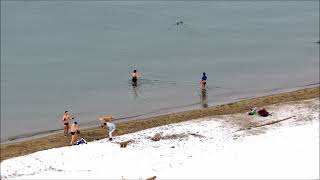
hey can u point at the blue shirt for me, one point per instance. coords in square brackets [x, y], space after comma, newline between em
[204, 78]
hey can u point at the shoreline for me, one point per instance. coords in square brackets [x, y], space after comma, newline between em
[159, 112]
[23, 147]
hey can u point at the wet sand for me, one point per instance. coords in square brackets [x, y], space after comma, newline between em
[96, 133]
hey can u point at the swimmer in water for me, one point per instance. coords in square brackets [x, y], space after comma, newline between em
[135, 76]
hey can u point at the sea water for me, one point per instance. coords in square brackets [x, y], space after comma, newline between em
[79, 56]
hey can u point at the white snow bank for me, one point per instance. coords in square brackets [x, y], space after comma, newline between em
[205, 148]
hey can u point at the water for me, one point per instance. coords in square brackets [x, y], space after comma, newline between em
[78, 56]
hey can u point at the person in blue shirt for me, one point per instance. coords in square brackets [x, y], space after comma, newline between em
[203, 81]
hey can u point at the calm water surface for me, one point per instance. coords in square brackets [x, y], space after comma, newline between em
[78, 56]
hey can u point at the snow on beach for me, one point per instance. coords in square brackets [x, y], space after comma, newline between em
[203, 148]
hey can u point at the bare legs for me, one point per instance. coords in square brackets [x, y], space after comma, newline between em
[74, 138]
[65, 129]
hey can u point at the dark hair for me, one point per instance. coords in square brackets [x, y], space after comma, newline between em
[134, 71]
[204, 73]
[65, 111]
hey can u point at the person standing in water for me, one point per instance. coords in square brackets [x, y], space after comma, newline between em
[135, 76]
[65, 119]
[203, 81]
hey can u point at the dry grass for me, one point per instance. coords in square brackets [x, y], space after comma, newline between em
[90, 134]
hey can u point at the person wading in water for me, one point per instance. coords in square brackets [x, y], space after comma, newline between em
[203, 81]
[135, 76]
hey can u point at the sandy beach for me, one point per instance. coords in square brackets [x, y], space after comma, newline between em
[82, 57]
[91, 134]
[214, 142]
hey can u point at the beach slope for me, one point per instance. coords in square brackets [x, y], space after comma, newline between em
[283, 145]
[90, 134]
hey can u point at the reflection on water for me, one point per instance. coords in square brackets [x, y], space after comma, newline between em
[134, 83]
[204, 98]
[147, 83]
[135, 89]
